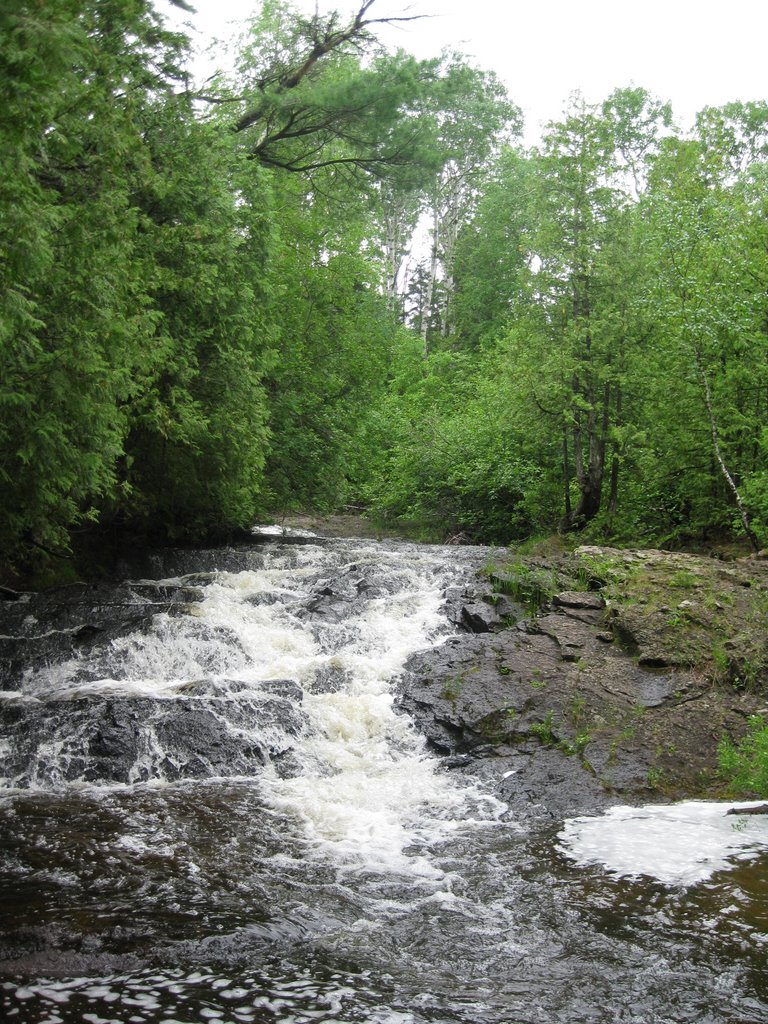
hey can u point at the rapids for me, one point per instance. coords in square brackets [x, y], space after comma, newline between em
[212, 810]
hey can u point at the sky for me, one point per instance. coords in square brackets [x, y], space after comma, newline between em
[694, 53]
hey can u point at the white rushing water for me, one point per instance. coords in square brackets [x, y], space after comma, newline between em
[365, 785]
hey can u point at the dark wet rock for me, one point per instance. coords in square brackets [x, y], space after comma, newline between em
[191, 566]
[539, 783]
[328, 608]
[166, 593]
[557, 713]
[137, 739]
[571, 636]
[267, 597]
[286, 763]
[457, 761]
[337, 598]
[647, 635]
[479, 617]
[480, 609]
[578, 599]
[330, 678]
[345, 594]
[19, 654]
[286, 688]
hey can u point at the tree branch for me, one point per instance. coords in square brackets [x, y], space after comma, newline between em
[325, 39]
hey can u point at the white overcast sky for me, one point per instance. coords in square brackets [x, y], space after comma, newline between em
[694, 53]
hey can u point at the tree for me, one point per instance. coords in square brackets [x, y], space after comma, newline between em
[318, 92]
[198, 439]
[473, 119]
[490, 264]
[333, 338]
[76, 326]
[130, 334]
[551, 278]
[712, 299]
[590, 168]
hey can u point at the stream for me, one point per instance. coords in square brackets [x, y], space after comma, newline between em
[212, 811]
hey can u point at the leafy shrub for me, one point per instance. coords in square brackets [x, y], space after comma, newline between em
[745, 765]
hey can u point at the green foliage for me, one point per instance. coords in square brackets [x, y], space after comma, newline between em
[199, 311]
[76, 324]
[529, 585]
[191, 319]
[133, 337]
[198, 437]
[599, 571]
[744, 765]
[334, 339]
[490, 262]
[616, 259]
[457, 458]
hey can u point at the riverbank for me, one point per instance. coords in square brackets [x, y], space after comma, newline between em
[603, 676]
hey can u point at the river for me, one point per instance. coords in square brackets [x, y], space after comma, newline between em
[211, 810]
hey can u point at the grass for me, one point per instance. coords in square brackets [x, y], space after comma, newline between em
[601, 571]
[527, 585]
[544, 730]
[684, 580]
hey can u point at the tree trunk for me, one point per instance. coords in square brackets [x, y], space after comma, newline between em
[393, 252]
[590, 476]
[566, 479]
[613, 497]
[427, 305]
[590, 497]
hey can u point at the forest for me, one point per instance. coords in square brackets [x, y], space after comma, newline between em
[336, 278]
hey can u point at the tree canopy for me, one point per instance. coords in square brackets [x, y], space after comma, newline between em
[214, 302]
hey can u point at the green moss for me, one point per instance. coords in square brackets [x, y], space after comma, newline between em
[684, 579]
[452, 687]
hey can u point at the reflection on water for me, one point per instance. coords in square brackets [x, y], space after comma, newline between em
[361, 883]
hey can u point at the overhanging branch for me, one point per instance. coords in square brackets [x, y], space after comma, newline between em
[324, 38]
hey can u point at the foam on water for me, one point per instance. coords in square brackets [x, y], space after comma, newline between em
[678, 844]
[178, 997]
[273, 530]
